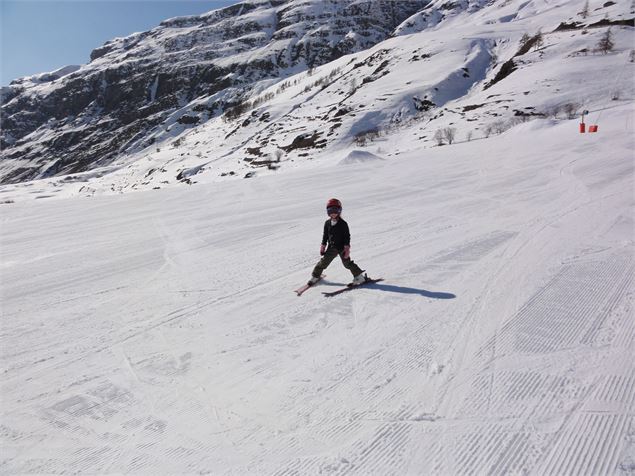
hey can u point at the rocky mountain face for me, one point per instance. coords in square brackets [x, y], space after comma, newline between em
[186, 71]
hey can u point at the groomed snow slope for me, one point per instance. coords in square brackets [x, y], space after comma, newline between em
[157, 332]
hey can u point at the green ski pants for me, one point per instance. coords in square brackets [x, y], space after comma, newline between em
[329, 256]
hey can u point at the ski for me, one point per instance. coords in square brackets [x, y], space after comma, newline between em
[351, 286]
[301, 289]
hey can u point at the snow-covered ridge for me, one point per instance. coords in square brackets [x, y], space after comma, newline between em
[46, 77]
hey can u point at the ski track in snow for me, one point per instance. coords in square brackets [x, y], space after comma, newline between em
[158, 332]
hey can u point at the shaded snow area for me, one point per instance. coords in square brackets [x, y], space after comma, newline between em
[157, 332]
[359, 156]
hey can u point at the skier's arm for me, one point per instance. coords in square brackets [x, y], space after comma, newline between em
[347, 235]
[325, 235]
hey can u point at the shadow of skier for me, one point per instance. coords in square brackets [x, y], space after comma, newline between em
[404, 290]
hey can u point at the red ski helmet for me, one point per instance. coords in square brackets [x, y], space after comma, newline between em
[334, 205]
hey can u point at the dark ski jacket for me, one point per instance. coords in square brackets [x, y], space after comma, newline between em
[336, 235]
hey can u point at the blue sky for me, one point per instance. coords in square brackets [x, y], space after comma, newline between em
[37, 36]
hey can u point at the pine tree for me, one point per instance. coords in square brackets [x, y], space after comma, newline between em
[538, 40]
[585, 10]
[606, 44]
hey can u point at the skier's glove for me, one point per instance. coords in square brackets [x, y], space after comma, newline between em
[322, 250]
[347, 252]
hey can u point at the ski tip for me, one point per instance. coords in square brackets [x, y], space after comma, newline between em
[304, 288]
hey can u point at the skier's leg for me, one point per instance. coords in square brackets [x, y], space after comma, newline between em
[350, 265]
[329, 256]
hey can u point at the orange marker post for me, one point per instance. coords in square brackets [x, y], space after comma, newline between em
[582, 124]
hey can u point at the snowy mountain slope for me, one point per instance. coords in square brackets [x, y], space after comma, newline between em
[423, 79]
[157, 332]
[187, 69]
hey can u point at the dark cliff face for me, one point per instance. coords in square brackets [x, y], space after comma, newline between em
[72, 122]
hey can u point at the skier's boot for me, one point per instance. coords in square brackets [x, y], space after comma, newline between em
[313, 280]
[359, 279]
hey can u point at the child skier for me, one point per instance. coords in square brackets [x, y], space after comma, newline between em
[338, 238]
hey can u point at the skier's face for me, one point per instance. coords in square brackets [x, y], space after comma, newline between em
[333, 212]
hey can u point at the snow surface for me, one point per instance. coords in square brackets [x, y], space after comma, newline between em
[157, 332]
